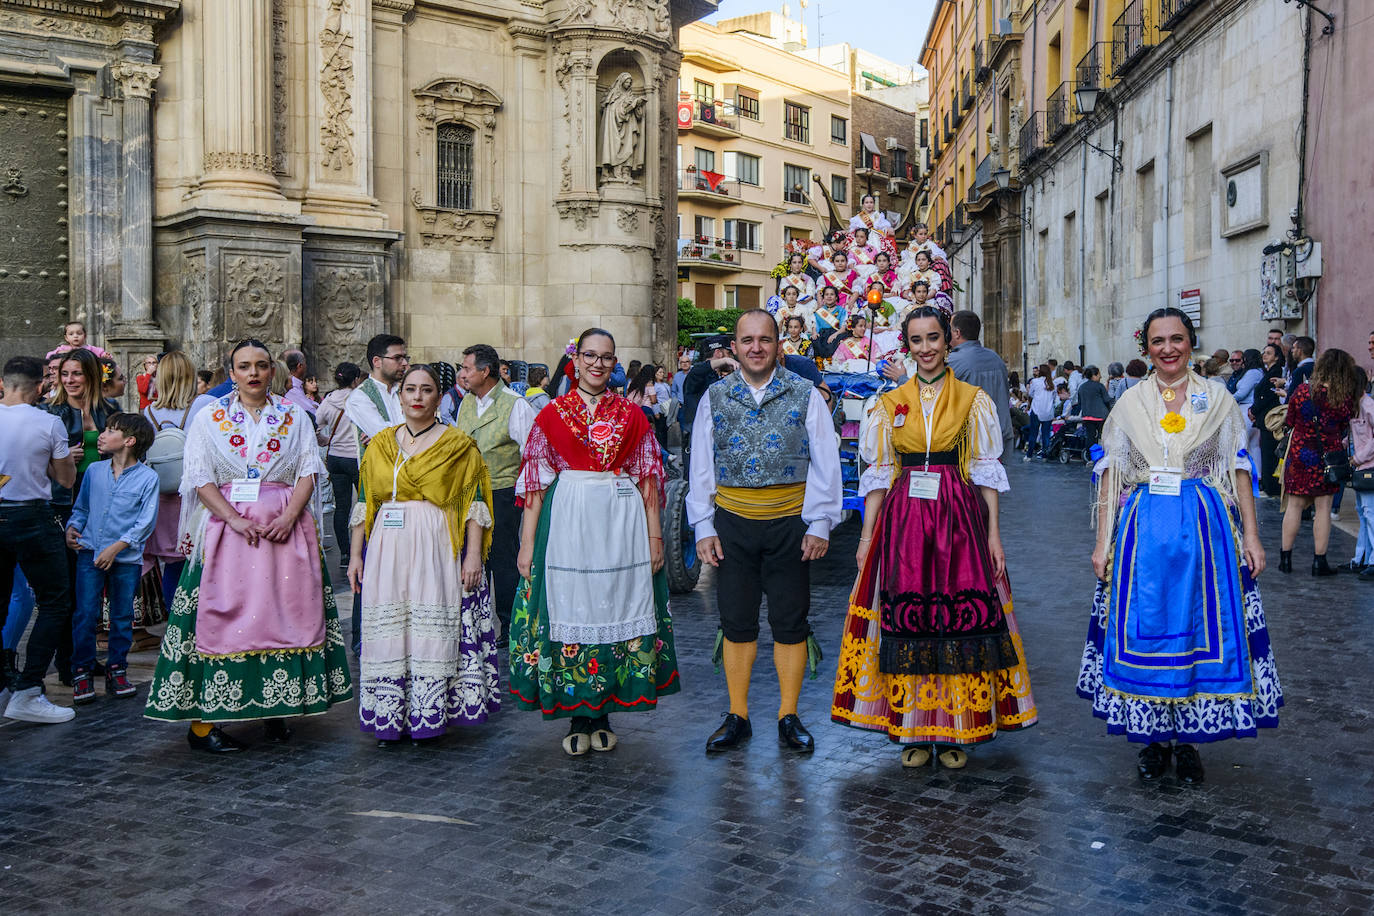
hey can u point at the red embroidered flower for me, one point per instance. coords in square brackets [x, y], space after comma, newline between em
[600, 431]
[903, 409]
[273, 445]
[592, 666]
[236, 440]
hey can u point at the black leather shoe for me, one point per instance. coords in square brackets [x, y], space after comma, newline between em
[1188, 764]
[217, 742]
[277, 730]
[1153, 761]
[791, 733]
[1321, 568]
[388, 744]
[1285, 561]
[734, 730]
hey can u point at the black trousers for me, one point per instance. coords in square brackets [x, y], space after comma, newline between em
[762, 557]
[505, 550]
[33, 540]
[343, 478]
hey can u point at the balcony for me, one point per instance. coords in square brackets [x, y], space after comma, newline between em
[1034, 139]
[981, 70]
[871, 164]
[1060, 110]
[967, 98]
[983, 191]
[960, 220]
[1133, 33]
[1089, 71]
[714, 258]
[1172, 12]
[705, 187]
[715, 119]
[947, 233]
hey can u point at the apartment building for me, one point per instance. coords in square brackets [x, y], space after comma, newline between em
[755, 123]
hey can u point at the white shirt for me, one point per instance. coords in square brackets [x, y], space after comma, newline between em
[521, 413]
[823, 503]
[362, 413]
[1075, 379]
[1042, 398]
[29, 439]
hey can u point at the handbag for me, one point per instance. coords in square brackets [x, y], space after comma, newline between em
[1336, 467]
[1363, 481]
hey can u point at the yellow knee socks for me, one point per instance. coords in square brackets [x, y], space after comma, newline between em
[201, 729]
[739, 665]
[790, 660]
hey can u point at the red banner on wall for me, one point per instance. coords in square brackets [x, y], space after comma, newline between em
[684, 115]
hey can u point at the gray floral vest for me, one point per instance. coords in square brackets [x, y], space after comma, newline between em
[760, 445]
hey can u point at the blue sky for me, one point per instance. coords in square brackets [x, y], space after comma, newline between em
[893, 29]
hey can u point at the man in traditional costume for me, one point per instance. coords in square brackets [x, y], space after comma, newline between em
[765, 492]
[499, 421]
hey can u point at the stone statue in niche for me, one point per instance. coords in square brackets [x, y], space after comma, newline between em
[622, 132]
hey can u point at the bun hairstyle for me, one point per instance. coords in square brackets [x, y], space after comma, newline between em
[249, 342]
[345, 374]
[1167, 312]
[925, 311]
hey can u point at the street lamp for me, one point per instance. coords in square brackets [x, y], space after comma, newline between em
[1003, 178]
[1086, 97]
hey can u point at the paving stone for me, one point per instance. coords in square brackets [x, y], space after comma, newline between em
[115, 808]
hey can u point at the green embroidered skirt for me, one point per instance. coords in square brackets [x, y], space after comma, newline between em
[564, 680]
[253, 685]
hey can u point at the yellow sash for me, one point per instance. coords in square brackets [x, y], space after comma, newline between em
[950, 421]
[763, 503]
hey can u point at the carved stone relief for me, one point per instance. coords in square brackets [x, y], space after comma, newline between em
[254, 297]
[342, 295]
[637, 17]
[627, 218]
[280, 75]
[578, 210]
[56, 25]
[135, 79]
[457, 101]
[336, 85]
[570, 71]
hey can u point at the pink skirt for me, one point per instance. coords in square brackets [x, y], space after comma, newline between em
[265, 598]
[162, 545]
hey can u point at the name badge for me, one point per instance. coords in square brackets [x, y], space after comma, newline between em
[899, 421]
[1199, 399]
[244, 490]
[393, 517]
[1165, 481]
[624, 487]
[923, 485]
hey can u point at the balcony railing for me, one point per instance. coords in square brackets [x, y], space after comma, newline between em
[871, 162]
[700, 184]
[947, 232]
[714, 117]
[1033, 139]
[1089, 71]
[1134, 32]
[960, 220]
[1172, 12]
[1059, 110]
[967, 101]
[724, 257]
[980, 65]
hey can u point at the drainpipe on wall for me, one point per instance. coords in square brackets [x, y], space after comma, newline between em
[1082, 253]
[1168, 172]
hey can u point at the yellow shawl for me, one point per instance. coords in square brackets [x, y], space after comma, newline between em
[951, 421]
[449, 474]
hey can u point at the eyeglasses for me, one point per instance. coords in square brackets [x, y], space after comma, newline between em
[400, 358]
[1234, 360]
[605, 360]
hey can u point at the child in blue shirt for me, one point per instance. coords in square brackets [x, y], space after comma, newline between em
[113, 518]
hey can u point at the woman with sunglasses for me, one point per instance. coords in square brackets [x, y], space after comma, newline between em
[590, 630]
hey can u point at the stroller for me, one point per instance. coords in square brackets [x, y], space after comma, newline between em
[1069, 443]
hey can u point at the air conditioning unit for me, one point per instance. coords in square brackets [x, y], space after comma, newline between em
[892, 143]
[893, 187]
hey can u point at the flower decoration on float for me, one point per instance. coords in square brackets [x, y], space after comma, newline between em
[1173, 423]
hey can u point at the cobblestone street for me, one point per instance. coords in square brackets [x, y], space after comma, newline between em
[114, 812]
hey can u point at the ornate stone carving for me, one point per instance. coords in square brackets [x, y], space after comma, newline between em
[198, 322]
[627, 218]
[134, 30]
[341, 299]
[280, 75]
[635, 17]
[441, 228]
[336, 85]
[570, 71]
[254, 296]
[14, 185]
[135, 79]
[458, 101]
[56, 25]
[621, 157]
[578, 210]
[248, 162]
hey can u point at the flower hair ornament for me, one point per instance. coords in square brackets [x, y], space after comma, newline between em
[106, 373]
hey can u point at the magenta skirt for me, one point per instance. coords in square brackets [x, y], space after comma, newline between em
[264, 598]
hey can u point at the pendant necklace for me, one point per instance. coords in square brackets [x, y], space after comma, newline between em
[1168, 393]
[415, 435]
[591, 394]
[927, 386]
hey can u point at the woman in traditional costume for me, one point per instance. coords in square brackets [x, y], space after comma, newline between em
[863, 256]
[252, 632]
[841, 277]
[590, 631]
[931, 653]
[428, 659]
[797, 278]
[856, 344]
[1177, 649]
[794, 341]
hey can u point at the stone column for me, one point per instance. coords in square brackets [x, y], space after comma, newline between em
[237, 50]
[136, 229]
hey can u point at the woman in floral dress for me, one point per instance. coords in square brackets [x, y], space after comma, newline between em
[590, 631]
[1319, 413]
[428, 658]
[252, 632]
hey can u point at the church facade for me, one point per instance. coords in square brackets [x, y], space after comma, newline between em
[191, 172]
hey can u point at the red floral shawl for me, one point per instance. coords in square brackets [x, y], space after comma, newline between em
[566, 436]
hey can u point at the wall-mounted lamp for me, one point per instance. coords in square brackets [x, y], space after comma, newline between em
[1086, 98]
[1003, 178]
